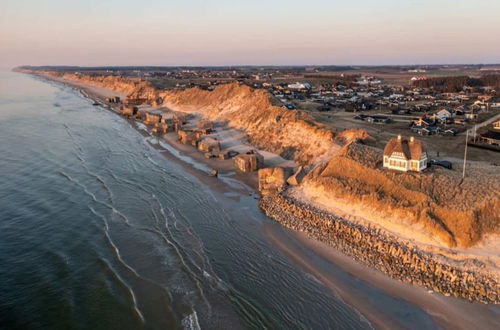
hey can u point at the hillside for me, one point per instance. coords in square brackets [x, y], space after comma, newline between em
[292, 134]
[344, 176]
[436, 202]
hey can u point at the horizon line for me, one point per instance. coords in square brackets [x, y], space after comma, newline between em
[253, 65]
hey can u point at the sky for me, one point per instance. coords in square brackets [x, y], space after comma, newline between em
[257, 32]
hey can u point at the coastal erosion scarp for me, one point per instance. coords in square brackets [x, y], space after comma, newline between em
[451, 211]
[293, 135]
[448, 211]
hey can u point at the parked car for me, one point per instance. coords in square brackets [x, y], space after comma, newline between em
[442, 163]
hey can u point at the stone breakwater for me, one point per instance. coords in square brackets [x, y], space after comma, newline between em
[382, 251]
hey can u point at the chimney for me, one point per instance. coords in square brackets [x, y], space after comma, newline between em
[412, 139]
[399, 137]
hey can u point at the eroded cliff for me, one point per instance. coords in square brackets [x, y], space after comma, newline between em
[438, 202]
[292, 134]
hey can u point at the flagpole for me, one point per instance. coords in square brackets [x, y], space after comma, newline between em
[465, 153]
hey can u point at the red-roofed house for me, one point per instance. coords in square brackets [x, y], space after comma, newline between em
[405, 155]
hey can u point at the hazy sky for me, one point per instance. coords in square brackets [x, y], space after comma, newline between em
[219, 32]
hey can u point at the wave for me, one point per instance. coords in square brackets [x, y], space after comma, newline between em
[94, 198]
[127, 287]
[190, 322]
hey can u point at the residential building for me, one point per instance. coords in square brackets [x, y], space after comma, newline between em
[405, 155]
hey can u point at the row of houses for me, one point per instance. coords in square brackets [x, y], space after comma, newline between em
[443, 121]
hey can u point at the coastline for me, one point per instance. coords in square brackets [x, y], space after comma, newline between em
[374, 248]
[447, 318]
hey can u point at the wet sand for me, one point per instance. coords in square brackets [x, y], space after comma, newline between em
[446, 312]
[358, 285]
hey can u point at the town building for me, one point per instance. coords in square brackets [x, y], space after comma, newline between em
[491, 137]
[496, 125]
[405, 155]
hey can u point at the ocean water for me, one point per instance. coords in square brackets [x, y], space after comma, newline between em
[98, 230]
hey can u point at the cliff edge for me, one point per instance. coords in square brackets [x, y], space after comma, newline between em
[345, 177]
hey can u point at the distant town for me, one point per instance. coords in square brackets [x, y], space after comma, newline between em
[440, 104]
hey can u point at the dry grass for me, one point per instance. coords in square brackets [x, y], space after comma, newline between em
[458, 212]
[292, 134]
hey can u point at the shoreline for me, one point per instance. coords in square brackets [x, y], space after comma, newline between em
[249, 189]
[374, 248]
[225, 168]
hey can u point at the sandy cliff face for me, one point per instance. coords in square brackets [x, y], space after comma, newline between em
[128, 86]
[292, 134]
[438, 202]
[455, 212]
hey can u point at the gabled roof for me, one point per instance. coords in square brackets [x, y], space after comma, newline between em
[410, 149]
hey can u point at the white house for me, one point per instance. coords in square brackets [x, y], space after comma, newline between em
[445, 113]
[300, 85]
[403, 155]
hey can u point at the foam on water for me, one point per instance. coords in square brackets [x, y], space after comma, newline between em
[190, 322]
[146, 244]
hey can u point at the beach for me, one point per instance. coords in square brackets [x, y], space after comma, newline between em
[447, 312]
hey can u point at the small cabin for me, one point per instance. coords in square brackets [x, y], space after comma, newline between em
[405, 155]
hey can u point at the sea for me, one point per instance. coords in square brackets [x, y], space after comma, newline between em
[100, 228]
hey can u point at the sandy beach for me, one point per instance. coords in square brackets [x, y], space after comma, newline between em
[321, 261]
[447, 312]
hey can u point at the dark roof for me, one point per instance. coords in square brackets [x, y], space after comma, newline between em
[491, 135]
